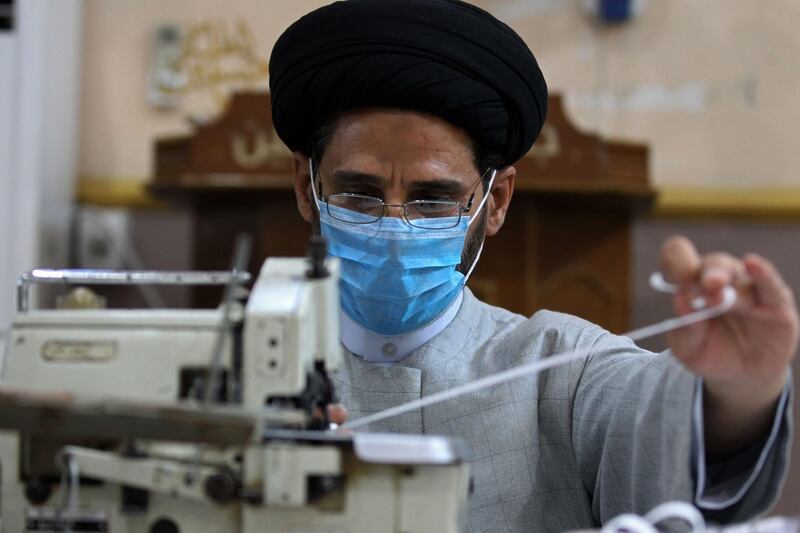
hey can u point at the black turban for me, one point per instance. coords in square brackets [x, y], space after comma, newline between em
[443, 57]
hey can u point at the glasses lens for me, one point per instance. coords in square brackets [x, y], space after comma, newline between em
[355, 208]
[433, 214]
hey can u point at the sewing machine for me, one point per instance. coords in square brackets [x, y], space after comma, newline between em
[167, 421]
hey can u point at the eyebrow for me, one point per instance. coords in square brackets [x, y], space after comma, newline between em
[443, 185]
[354, 177]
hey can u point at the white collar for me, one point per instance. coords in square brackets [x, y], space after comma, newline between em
[378, 348]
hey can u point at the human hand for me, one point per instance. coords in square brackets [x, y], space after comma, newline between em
[744, 354]
[337, 414]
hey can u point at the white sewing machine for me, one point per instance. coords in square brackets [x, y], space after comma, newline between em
[167, 421]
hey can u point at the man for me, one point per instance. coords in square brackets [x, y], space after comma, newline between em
[405, 118]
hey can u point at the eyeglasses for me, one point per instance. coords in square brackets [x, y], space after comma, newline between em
[425, 214]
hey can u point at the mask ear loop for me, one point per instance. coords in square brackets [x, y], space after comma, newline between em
[474, 263]
[478, 210]
[313, 185]
[485, 197]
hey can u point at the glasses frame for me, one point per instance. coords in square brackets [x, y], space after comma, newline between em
[462, 209]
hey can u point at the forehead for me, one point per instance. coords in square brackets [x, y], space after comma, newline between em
[399, 145]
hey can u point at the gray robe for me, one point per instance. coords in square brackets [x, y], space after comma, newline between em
[569, 448]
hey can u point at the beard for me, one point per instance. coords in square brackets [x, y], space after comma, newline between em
[473, 244]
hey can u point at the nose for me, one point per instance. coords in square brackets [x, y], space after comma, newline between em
[394, 210]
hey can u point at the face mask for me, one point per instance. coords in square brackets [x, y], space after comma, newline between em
[395, 277]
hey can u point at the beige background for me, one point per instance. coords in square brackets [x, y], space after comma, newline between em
[712, 86]
[118, 125]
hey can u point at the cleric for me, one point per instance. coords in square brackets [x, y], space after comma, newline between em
[405, 118]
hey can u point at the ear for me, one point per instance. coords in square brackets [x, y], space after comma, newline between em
[302, 186]
[500, 197]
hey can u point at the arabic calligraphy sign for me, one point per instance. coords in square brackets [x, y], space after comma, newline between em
[197, 66]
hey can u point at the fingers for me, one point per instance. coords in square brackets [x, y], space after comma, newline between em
[704, 276]
[680, 262]
[719, 270]
[770, 288]
[755, 278]
[337, 413]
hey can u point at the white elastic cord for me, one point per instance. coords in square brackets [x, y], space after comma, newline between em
[728, 299]
[474, 262]
[486, 195]
[313, 186]
[677, 510]
[478, 210]
[629, 523]
[474, 386]
[657, 282]
[674, 510]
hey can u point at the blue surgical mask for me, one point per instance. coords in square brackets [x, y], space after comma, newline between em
[395, 277]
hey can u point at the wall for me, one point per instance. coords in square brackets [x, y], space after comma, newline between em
[708, 85]
[118, 124]
[8, 52]
[39, 85]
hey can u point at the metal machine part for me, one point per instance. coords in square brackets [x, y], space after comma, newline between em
[104, 427]
[211, 385]
[232, 473]
[120, 277]
[291, 324]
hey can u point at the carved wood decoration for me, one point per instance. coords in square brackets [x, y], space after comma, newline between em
[239, 151]
[565, 244]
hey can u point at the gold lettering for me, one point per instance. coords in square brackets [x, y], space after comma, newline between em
[216, 58]
[262, 148]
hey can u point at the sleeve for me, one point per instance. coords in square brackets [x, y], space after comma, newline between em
[721, 487]
[633, 436]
